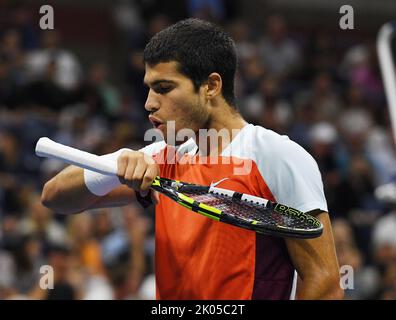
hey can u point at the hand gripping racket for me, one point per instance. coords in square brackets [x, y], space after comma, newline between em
[238, 209]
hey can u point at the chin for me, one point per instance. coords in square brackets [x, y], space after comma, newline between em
[171, 138]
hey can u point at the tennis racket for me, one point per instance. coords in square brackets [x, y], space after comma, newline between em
[238, 209]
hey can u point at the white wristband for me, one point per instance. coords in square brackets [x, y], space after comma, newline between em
[100, 184]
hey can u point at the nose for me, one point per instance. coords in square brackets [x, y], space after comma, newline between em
[152, 103]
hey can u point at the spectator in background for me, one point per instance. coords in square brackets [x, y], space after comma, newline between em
[355, 124]
[7, 274]
[323, 96]
[211, 10]
[323, 139]
[388, 291]
[384, 253]
[10, 234]
[382, 155]
[321, 55]
[6, 88]
[361, 69]
[266, 107]
[365, 280]
[23, 22]
[123, 253]
[12, 169]
[127, 16]
[280, 55]
[305, 116]
[28, 255]
[39, 222]
[250, 74]
[59, 259]
[384, 239]
[11, 160]
[89, 273]
[99, 95]
[64, 64]
[11, 52]
[84, 245]
[242, 35]
[45, 92]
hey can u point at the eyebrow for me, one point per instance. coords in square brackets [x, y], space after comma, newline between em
[159, 81]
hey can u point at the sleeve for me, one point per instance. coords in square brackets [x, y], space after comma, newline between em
[293, 175]
[153, 148]
[100, 184]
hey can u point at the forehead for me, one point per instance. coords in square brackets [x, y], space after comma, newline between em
[163, 71]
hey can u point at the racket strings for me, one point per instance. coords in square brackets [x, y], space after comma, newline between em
[248, 211]
[273, 219]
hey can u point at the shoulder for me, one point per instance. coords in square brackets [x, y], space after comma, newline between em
[268, 136]
[289, 171]
[268, 145]
[264, 145]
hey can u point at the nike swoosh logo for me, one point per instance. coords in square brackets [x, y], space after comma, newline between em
[214, 184]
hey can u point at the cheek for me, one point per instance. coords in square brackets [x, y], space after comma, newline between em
[178, 113]
[181, 110]
[187, 111]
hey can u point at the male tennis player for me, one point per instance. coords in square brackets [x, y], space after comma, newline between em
[190, 70]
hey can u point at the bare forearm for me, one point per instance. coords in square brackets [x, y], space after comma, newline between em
[319, 288]
[316, 263]
[67, 193]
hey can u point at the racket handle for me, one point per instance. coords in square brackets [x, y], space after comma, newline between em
[47, 148]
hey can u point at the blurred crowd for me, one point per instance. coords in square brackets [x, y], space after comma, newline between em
[319, 87]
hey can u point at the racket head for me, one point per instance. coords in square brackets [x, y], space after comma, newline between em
[263, 217]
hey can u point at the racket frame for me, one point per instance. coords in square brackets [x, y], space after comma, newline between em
[174, 190]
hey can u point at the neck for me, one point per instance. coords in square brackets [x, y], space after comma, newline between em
[223, 125]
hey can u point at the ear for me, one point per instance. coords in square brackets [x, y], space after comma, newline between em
[214, 86]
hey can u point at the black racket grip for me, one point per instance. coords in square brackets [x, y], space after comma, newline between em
[144, 201]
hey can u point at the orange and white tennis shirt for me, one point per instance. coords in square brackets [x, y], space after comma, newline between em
[198, 258]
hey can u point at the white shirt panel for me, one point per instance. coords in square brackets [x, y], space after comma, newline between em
[289, 170]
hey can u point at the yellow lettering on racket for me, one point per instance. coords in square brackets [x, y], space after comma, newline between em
[156, 182]
[296, 213]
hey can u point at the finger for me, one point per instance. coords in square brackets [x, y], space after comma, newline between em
[138, 174]
[129, 171]
[155, 197]
[122, 163]
[150, 174]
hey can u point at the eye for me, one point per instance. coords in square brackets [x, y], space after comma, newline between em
[163, 89]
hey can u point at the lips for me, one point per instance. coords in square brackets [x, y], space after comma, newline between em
[155, 121]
